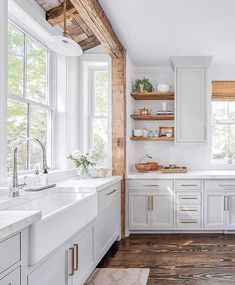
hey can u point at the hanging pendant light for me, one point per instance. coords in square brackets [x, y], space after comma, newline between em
[63, 44]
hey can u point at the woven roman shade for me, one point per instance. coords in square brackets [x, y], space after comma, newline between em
[223, 90]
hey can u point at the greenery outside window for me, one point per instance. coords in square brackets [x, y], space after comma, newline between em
[29, 104]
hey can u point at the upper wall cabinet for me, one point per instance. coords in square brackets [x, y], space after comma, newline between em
[190, 98]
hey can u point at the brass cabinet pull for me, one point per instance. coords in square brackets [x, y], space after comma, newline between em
[72, 261]
[226, 185]
[224, 203]
[188, 210]
[150, 203]
[228, 203]
[110, 193]
[153, 185]
[189, 185]
[188, 221]
[76, 257]
[188, 198]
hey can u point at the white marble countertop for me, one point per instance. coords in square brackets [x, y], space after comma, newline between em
[94, 184]
[14, 221]
[212, 174]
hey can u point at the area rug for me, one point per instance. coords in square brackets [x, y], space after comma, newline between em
[119, 276]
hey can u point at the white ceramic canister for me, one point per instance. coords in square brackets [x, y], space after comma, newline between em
[163, 87]
[137, 133]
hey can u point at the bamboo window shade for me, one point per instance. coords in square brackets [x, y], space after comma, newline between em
[223, 90]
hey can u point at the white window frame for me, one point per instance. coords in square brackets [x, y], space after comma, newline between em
[49, 106]
[229, 124]
[90, 64]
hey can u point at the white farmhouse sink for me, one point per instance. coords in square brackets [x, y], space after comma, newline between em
[63, 215]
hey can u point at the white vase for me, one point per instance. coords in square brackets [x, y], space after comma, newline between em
[163, 87]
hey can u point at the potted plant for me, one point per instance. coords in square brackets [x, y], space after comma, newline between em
[143, 85]
[83, 162]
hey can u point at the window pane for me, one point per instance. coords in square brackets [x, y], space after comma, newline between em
[220, 111]
[100, 137]
[15, 60]
[220, 142]
[17, 129]
[232, 111]
[36, 72]
[39, 130]
[101, 93]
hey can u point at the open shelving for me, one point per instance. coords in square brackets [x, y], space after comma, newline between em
[152, 139]
[153, 95]
[153, 117]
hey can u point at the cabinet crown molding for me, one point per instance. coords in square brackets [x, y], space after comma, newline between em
[190, 61]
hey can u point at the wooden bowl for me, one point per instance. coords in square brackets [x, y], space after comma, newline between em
[143, 167]
[154, 165]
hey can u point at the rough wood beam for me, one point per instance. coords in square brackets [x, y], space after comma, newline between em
[55, 15]
[119, 126]
[89, 43]
[93, 15]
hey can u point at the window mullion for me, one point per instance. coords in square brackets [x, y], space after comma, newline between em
[24, 68]
[28, 135]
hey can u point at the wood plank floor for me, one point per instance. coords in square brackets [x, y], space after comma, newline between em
[177, 259]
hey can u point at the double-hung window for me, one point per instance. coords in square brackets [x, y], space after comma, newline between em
[29, 104]
[98, 107]
[223, 121]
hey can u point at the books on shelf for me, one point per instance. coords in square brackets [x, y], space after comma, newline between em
[165, 113]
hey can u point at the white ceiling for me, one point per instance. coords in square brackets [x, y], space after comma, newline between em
[154, 30]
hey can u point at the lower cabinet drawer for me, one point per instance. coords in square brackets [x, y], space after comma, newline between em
[188, 198]
[13, 278]
[188, 222]
[9, 252]
[151, 184]
[190, 210]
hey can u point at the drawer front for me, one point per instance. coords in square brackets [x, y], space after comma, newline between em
[188, 210]
[151, 184]
[188, 222]
[219, 185]
[188, 198]
[186, 184]
[109, 195]
[13, 278]
[9, 252]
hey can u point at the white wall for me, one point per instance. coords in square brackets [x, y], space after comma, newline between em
[193, 156]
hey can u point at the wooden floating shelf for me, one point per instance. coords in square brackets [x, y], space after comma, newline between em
[152, 139]
[153, 95]
[153, 117]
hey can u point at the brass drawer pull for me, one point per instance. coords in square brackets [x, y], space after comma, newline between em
[72, 261]
[153, 185]
[189, 185]
[110, 193]
[188, 210]
[188, 198]
[150, 203]
[188, 222]
[76, 257]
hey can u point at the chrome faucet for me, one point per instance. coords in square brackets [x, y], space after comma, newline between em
[15, 189]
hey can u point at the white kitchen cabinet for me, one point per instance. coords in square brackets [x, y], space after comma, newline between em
[163, 210]
[109, 218]
[55, 270]
[190, 98]
[214, 210]
[83, 255]
[13, 278]
[139, 209]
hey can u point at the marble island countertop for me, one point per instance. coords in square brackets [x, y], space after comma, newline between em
[210, 174]
[14, 221]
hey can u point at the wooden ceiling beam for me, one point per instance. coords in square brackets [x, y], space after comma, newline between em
[89, 43]
[55, 15]
[93, 15]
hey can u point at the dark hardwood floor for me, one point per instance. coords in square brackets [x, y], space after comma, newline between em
[177, 259]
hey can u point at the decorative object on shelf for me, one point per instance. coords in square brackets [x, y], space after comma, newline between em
[166, 132]
[137, 133]
[143, 85]
[143, 167]
[64, 44]
[165, 113]
[145, 133]
[174, 169]
[163, 87]
[164, 106]
[145, 111]
[83, 162]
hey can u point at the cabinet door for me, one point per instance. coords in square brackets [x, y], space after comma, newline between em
[54, 270]
[214, 210]
[190, 105]
[139, 214]
[230, 210]
[163, 210]
[84, 255]
[12, 278]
